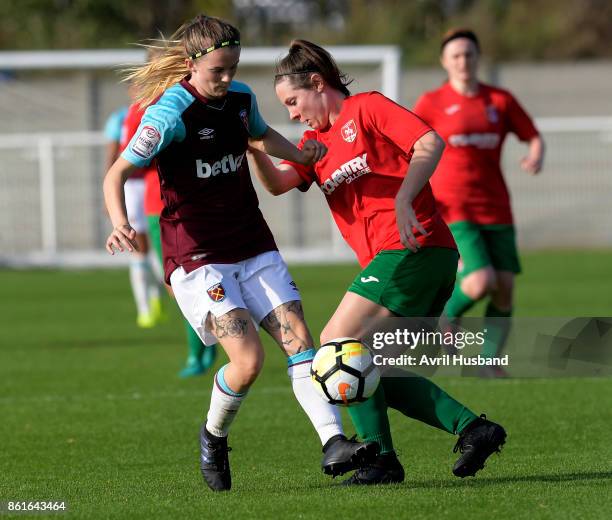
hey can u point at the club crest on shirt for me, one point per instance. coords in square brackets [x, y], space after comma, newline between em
[349, 131]
[245, 119]
[452, 109]
[492, 114]
[216, 292]
[144, 145]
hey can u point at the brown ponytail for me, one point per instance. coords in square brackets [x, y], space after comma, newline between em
[303, 59]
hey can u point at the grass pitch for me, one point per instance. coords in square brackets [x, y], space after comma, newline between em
[91, 412]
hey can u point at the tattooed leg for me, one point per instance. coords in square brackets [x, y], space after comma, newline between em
[287, 326]
[239, 339]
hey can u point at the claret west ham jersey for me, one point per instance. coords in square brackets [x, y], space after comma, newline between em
[211, 212]
[468, 183]
[369, 150]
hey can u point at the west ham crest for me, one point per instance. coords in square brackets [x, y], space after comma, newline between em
[216, 293]
[349, 131]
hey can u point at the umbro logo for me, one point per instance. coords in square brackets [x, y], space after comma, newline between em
[207, 133]
[369, 279]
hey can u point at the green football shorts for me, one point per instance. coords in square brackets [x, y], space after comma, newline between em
[483, 245]
[409, 284]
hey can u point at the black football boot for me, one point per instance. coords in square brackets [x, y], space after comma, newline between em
[476, 442]
[341, 455]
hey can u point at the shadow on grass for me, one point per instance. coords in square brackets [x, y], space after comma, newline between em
[482, 482]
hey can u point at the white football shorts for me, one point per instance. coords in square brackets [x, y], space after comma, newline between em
[258, 284]
[134, 190]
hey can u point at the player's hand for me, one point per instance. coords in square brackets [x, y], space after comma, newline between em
[531, 164]
[312, 151]
[406, 221]
[121, 238]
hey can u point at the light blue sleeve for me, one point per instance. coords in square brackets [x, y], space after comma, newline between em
[160, 125]
[257, 125]
[112, 127]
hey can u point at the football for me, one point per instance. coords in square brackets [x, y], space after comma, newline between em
[343, 372]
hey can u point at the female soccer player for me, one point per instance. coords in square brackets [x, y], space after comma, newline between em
[200, 357]
[375, 179]
[219, 255]
[474, 119]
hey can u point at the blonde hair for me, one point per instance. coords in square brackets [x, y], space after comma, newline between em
[165, 63]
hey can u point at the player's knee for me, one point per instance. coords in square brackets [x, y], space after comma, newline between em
[479, 284]
[249, 368]
[329, 333]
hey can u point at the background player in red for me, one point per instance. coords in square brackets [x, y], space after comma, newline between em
[219, 254]
[375, 179]
[145, 287]
[145, 271]
[200, 358]
[473, 119]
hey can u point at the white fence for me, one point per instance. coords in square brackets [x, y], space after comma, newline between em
[51, 198]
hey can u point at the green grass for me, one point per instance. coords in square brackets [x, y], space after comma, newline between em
[91, 412]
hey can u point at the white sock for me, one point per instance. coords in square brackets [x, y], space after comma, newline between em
[138, 280]
[153, 286]
[224, 404]
[324, 417]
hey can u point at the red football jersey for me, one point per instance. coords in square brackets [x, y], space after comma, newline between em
[468, 183]
[153, 203]
[369, 149]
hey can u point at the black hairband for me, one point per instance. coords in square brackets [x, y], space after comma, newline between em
[228, 43]
[296, 72]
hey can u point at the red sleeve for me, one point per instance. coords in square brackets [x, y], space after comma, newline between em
[130, 124]
[519, 121]
[422, 108]
[394, 122]
[307, 173]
